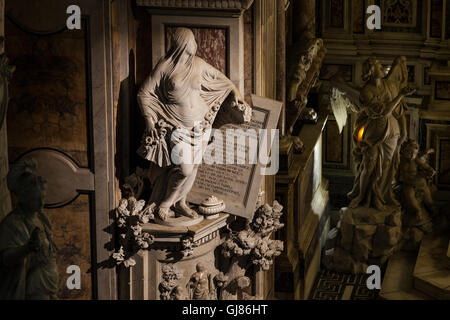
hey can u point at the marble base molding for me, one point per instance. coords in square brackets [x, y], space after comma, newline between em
[148, 274]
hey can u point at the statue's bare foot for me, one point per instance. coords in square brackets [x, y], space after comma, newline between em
[183, 209]
[163, 213]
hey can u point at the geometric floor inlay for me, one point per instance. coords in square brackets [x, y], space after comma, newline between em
[332, 285]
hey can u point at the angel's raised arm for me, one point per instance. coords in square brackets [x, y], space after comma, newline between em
[399, 72]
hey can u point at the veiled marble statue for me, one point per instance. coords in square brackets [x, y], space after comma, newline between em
[27, 252]
[183, 94]
[379, 131]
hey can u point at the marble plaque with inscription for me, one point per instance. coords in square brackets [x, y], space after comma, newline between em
[238, 183]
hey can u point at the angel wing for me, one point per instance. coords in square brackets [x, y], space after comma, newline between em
[343, 98]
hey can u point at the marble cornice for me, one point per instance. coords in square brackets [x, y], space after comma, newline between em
[210, 5]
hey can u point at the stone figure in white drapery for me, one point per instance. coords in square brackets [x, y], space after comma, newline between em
[183, 92]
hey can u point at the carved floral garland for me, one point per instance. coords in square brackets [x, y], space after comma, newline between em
[131, 238]
[254, 241]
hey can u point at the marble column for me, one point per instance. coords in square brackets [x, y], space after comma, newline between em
[281, 61]
[5, 202]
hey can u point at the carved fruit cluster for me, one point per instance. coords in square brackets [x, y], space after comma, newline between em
[131, 214]
[254, 241]
[170, 276]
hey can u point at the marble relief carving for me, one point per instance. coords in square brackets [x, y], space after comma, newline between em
[187, 246]
[201, 285]
[399, 13]
[169, 288]
[251, 246]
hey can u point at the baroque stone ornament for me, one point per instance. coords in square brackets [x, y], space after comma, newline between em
[27, 252]
[180, 101]
[211, 207]
[187, 246]
[251, 246]
[169, 288]
[254, 241]
[6, 72]
[130, 216]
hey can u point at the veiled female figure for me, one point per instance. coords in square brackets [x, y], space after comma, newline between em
[380, 129]
[183, 92]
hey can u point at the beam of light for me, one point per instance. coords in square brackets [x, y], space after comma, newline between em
[360, 134]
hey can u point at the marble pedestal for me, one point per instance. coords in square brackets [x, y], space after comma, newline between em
[363, 237]
[146, 276]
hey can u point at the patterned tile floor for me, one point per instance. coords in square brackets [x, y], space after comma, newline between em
[331, 285]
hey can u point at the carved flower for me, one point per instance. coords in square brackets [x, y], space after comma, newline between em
[248, 241]
[137, 229]
[121, 222]
[129, 262]
[138, 206]
[145, 218]
[122, 209]
[119, 256]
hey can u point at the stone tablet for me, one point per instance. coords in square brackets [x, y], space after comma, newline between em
[238, 184]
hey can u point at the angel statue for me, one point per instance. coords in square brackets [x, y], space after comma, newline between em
[379, 131]
[184, 97]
